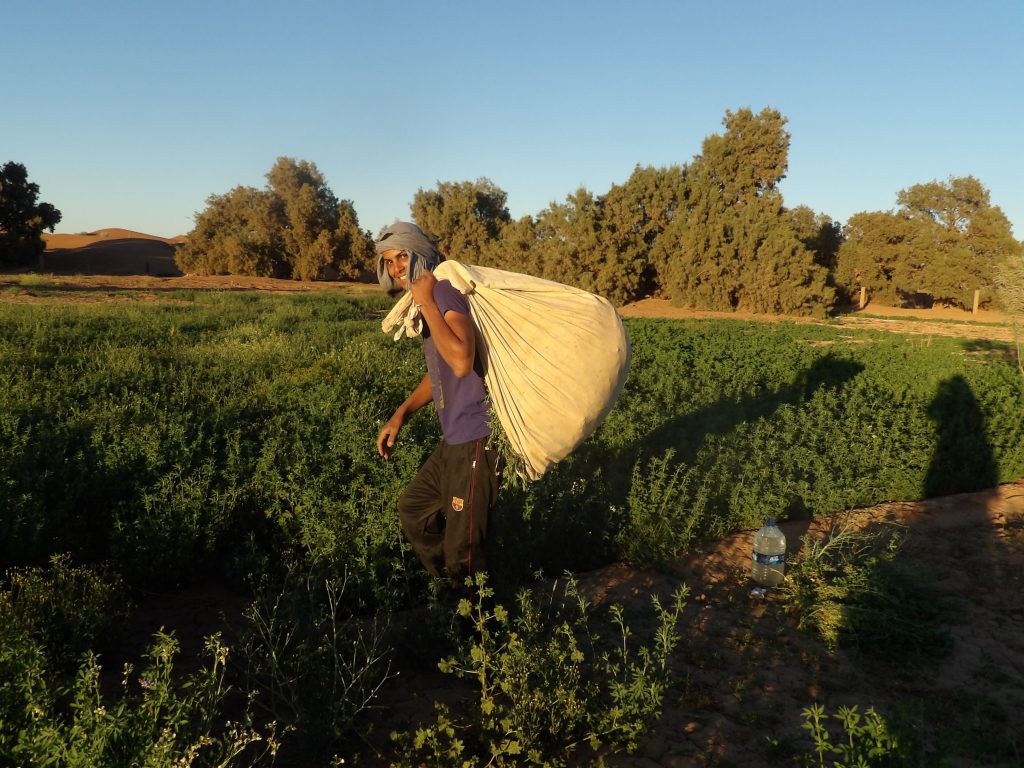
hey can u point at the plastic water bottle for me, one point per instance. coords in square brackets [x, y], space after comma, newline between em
[769, 562]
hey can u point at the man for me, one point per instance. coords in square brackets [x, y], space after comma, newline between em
[444, 511]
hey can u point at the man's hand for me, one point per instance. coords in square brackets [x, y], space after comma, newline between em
[389, 434]
[423, 288]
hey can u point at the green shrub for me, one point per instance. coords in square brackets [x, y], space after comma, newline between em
[158, 720]
[549, 684]
[663, 512]
[66, 609]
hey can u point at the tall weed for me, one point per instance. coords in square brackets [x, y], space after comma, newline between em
[66, 609]
[663, 512]
[865, 740]
[550, 685]
[158, 720]
[315, 667]
[847, 588]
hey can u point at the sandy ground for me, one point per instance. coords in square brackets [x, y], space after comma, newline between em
[60, 241]
[749, 672]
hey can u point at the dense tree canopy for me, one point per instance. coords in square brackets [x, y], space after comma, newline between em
[736, 247]
[636, 214]
[294, 228]
[943, 241]
[599, 243]
[462, 217]
[22, 217]
[713, 234]
[819, 234]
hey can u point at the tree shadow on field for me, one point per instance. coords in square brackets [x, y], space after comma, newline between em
[570, 521]
[686, 434]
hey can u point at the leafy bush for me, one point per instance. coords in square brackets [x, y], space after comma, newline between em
[549, 683]
[157, 721]
[66, 609]
[846, 588]
[315, 667]
[663, 511]
[867, 740]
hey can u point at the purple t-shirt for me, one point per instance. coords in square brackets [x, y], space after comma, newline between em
[461, 403]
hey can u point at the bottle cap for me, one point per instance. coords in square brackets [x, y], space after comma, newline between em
[771, 522]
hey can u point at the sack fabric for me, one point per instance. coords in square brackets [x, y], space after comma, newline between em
[555, 357]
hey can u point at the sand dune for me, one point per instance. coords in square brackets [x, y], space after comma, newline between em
[112, 251]
[59, 241]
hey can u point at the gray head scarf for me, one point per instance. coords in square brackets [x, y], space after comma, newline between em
[407, 237]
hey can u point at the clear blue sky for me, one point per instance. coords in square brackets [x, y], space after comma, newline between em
[129, 114]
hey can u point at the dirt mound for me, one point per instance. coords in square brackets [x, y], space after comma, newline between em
[111, 251]
[750, 672]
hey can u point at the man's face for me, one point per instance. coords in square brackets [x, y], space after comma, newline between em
[397, 264]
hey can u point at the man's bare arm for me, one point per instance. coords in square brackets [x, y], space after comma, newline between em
[389, 432]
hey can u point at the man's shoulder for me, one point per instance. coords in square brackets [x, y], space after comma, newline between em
[448, 298]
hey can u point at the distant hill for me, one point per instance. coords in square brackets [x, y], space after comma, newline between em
[110, 252]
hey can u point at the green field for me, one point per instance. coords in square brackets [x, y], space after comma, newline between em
[229, 438]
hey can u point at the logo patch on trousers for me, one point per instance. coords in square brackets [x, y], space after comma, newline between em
[457, 503]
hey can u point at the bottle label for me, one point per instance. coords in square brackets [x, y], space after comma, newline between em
[769, 559]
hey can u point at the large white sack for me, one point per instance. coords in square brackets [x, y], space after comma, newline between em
[555, 356]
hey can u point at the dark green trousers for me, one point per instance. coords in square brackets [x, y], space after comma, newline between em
[445, 510]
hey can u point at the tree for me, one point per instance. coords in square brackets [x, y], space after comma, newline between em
[354, 245]
[635, 215]
[295, 228]
[515, 249]
[961, 236]
[944, 240]
[462, 217]
[601, 244]
[749, 160]
[818, 233]
[877, 253]
[569, 248]
[735, 247]
[239, 233]
[1009, 280]
[22, 218]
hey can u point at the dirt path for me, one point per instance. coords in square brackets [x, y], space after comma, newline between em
[99, 287]
[939, 321]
